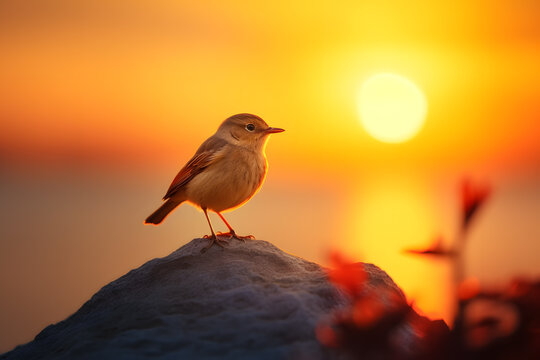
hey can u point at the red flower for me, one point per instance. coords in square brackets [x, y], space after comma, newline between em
[472, 198]
[367, 311]
[347, 275]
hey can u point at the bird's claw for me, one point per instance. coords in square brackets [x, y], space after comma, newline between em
[227, 235]
[232, 235]
[213, 240]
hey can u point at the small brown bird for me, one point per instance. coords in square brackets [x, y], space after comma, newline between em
[225, 172]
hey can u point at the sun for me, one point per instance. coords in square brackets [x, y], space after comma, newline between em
[392, 108]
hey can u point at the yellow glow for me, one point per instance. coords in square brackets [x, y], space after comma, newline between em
[393, 213]
[392, 108]
[128, 90]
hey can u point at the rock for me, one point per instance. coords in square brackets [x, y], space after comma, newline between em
[249, 300]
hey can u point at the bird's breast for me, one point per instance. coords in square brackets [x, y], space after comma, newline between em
[228, 183]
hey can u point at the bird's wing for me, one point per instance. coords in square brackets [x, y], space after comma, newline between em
[208, 153]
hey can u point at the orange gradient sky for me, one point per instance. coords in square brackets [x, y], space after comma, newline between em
[102, 102]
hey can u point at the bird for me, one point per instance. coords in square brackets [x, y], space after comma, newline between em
[225, 172]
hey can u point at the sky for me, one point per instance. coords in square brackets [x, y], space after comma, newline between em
[101, 103]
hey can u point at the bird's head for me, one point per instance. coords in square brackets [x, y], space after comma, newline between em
[246, 130]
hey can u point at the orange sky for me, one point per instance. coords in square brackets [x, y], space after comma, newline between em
[128, 89]
[132, 78]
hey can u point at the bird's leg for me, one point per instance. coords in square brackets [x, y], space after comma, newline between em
[231, 233]
[213, 238]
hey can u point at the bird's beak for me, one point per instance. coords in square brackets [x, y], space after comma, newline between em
[272, 130]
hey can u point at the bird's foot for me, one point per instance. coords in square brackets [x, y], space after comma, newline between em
[213, 240]
[232, 235]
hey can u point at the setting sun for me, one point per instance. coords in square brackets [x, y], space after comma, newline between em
[392, 108]
[399, 116]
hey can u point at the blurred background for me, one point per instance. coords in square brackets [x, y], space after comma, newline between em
[102, 102]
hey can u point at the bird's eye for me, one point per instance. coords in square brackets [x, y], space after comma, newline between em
[250, 127]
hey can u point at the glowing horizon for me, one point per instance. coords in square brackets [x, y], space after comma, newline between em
[105, 102]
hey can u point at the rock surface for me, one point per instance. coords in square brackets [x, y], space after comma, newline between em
[248, 301]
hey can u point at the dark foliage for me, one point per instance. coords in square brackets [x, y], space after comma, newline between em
[500, 325]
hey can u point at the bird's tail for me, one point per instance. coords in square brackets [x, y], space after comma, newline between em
[161, 213]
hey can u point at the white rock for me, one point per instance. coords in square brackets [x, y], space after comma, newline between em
[248, 301]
